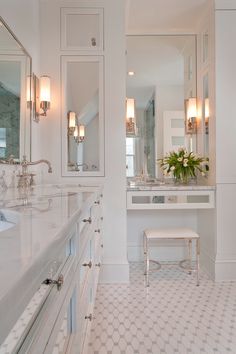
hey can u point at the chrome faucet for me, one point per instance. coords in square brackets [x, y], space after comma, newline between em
[26, 179]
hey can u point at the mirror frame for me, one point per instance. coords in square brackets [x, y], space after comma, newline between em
[64, 114]
[25, 134]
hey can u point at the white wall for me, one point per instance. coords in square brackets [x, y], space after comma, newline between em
[115, 266]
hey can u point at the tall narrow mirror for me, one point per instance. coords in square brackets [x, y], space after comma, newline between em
[206, 114]
[15, 102]
[82, 118]
[161, 75]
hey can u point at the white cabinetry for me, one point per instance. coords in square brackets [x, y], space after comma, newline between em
[58, 317]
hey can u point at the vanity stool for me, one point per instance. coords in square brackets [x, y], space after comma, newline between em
[172, 234]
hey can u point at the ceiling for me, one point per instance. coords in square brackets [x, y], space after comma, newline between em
[163, 15]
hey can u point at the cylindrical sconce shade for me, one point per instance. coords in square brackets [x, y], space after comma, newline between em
[81, 132]
[45, 92]
[76, 132]
[130, 108]
[192, 107]
[207, 108]
[72, 119]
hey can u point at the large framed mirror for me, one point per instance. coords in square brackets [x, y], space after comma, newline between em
[15, 96]
[161, 76]
[82, 116]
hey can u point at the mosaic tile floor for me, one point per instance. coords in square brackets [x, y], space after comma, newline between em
[171, 316]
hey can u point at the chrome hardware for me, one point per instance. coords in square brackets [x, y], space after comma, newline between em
[89, 220]
[93, 41]
[101, 217]
[98, 265]
[98, 230]
[89, 317]
[102, 245]
[59, 282]
[97, 202]
[101, 195]
[26, 179]
[87, 264]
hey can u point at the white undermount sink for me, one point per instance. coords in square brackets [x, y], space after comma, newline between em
[8, 219]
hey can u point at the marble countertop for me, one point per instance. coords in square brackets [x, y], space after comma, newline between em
[45, 215]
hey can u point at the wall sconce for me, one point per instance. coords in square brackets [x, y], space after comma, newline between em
[40, 96]
[79, 133]
[130, 117]
[191, 115]
[71, 122]
[45, 94]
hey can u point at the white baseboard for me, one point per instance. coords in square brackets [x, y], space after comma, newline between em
[114, 273]
[225, 270]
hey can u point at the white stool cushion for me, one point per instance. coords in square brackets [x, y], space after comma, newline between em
[180, 233]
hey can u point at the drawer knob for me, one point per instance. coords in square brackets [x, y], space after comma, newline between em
[89, 220]
[98, 265]
[59, 282]
[87, 264]
[97, 230]
[102, 245]
[89, 317]
[93, 42]
[97, 202]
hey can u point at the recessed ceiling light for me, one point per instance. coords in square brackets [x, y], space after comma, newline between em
[131, 73]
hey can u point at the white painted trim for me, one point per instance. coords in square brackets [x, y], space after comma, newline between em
[225, 270]
[114, 273]
[225, 5]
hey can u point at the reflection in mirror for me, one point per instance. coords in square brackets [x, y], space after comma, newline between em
[15, 111]
[83, 115]
[163, 76]
[206, 114]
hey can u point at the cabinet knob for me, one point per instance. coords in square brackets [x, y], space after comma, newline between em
[89, 317]
[59, 282]
[89, 220]
[98, 265]
[97, 230]
[93, 42]
[87, 264]
[97, 202]
[101, 218]
[102, 245]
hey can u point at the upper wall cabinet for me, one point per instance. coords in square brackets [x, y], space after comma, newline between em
[82, 29]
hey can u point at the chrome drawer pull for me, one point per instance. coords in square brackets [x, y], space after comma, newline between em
[90, 317]
[89, 220]
[87, 264]
[98, 264]
[98, 230]
[102, 245]
[59, 282]
[97, 202]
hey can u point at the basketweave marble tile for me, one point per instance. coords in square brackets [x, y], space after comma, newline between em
[171, 316]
